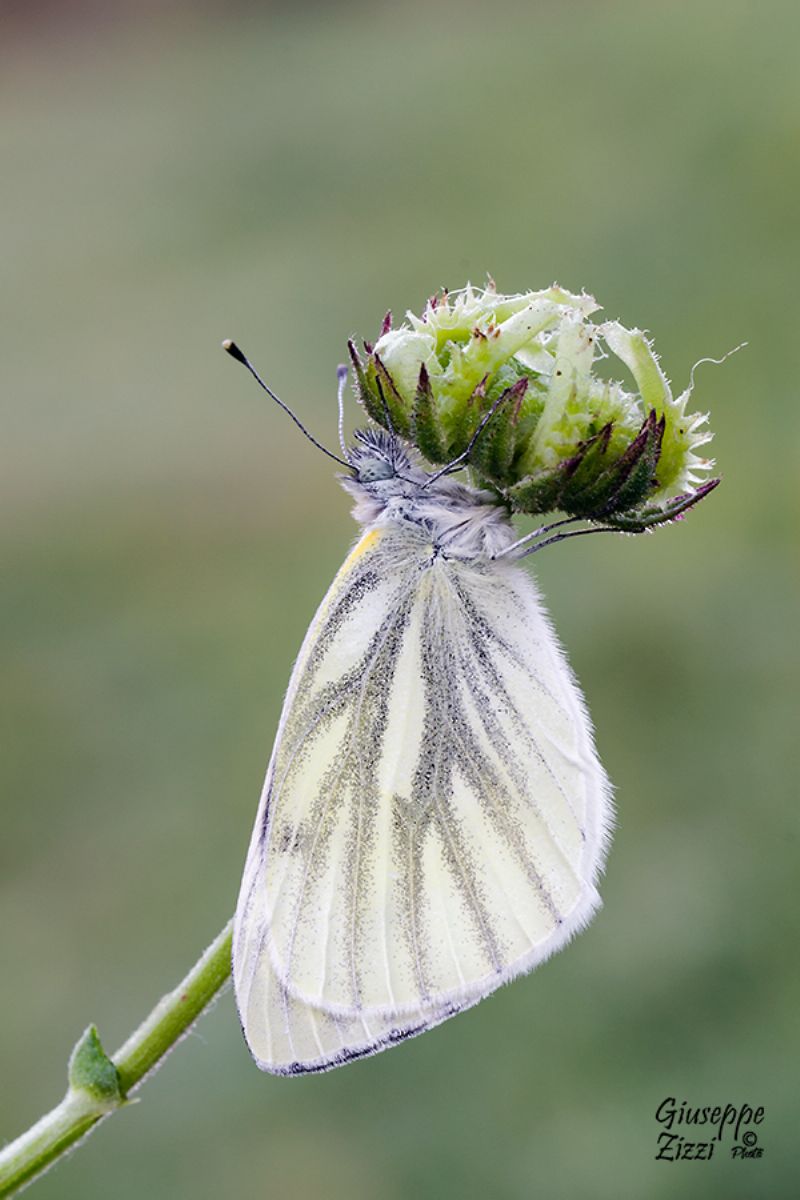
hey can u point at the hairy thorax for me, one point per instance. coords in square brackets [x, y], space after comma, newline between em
[461, 522]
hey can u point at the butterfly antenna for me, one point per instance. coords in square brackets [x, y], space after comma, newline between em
[242, 358]
[341, 380]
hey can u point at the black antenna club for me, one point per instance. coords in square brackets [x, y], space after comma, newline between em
[235, 352]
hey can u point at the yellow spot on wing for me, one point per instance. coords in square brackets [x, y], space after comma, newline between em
[365, 543]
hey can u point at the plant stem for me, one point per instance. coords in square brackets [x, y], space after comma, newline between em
[99, 1085]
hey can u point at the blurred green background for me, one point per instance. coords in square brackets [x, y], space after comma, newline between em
[175, 174]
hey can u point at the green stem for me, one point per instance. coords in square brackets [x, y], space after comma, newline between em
[99, 1086]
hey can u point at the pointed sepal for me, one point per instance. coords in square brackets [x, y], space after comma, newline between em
[389, 400]
[426, 428]
[364, 394]
[494, 450]
[649, 516]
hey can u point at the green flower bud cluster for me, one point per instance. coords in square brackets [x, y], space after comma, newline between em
[509, 383]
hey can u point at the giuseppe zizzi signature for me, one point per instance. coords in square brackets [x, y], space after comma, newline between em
[695, 1133]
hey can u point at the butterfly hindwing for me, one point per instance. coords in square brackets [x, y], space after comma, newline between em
[289, 1037]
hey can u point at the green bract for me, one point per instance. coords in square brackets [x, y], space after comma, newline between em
[509, 382]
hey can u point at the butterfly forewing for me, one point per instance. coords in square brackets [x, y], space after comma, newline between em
[433, 818]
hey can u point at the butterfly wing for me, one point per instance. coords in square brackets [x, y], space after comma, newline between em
[289, 1037]
[434, 815]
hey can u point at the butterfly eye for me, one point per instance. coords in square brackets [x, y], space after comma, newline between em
[373, 469]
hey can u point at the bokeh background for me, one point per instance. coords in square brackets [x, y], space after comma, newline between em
[284, 173]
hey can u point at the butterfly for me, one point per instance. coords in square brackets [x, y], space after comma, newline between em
[434, 817]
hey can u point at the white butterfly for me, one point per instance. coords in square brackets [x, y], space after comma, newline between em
[434, 816]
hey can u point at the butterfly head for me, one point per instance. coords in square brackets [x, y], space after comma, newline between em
[377, 457]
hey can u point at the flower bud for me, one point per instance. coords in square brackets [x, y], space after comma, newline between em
[92, 1074]
[559, 436]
